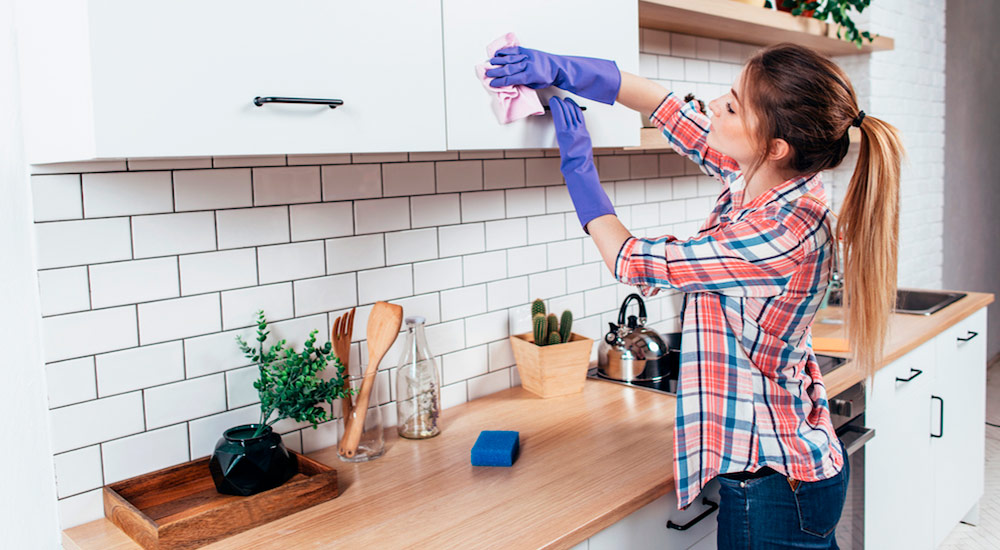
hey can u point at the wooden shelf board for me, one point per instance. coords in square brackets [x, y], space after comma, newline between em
[731, 20]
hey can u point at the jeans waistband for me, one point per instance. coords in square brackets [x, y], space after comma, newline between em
[743, 476]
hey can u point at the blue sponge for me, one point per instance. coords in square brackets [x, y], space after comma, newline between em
[495, 448]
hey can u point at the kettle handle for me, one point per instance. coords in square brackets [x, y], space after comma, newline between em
[624, 309]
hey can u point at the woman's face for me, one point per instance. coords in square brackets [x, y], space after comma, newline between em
[727, 133]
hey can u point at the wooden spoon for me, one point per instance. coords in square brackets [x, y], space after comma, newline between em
[343, 329]
[384, 323]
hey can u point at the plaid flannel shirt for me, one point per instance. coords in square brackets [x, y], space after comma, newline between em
[753, 277]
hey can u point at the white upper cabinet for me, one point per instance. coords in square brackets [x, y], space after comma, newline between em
[607, 29]
[119, 78]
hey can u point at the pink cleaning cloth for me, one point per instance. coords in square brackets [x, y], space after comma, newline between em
[510, 103]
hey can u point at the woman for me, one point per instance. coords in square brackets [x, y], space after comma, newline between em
[751, 405]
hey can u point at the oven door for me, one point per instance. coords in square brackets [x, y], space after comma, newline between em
[851, 529]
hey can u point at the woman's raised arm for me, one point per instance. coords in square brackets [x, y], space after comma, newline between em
[640, 94]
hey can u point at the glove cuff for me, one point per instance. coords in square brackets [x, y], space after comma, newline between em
[592, 78]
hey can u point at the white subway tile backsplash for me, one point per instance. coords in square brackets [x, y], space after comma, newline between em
[78, 471]
[682, 45]
[647, 65]
[213, 271]
[351, 181]
[600, 300]
[547, 284]
[355, 253]
[506, 234]
[489, 327]
[437, 275]
[167, 234]
[478, 154]
[525, 202]
[385, 283]
[643, 166]
[501, 354]
[212, 189]
[453, 394]
[146, 452]
[462, 302]
[461, 239]
[424, 156]
[543, 229]
[375, 216]
[379, 157]
[262, 160]
[446, 337]
[200, 396]
[527, 259]
[133, 282]
[325, 435]
[178, 163]
[464, 364]
[671, 68]
[645, 215]
[64, 290]
[290, 261]
[427, 306]
[239, 387]
[489, 266]
[630, 192]
[127, 193]
[542, 172]
[321, 221]
[557, 199]
[685, 187]
[57, 197]
[503, 174]
[82, 508]
[583, 277]
[286, 185]
[70, 243]
[203, 433]
[410, 178]
[507, 293]
[613, 168]
[71, 381]
[78, 334]
[179, 318]
[217, 352]
[138, 368]
[493, 382]
[325, 293]
[565, 253]
[707, 48]
[336, 158]
[435, 210]
[96, 421]
[252, 226]
[411, 246]
[240, 307]
[464, 175]
[484, 205]
[654, 41]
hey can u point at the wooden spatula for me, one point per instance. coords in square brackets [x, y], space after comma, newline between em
[343, 328]
[384, 323]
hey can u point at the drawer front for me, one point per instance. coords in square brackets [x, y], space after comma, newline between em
[179, 78]
[605, 29]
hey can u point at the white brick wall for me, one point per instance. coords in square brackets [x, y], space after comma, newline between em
[149, 269]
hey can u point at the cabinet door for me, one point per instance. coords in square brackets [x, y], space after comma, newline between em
[179, 78]
[647, 526]
[898, 473]
[607, 29]
[960, 393]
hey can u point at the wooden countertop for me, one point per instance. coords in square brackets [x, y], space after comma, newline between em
[587, 461]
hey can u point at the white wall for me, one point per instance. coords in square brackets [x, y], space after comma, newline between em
[149, 268]
[28, 516]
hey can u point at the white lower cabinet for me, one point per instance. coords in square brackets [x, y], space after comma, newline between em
[924, 468]
[958, 412]
[647, 526]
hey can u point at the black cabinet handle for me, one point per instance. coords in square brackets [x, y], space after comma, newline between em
[712, 506]
[333, 103]
[972, 334]
[913, 374]
[941, 430]
[582, 107]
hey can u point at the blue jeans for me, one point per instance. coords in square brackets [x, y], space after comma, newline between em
[765, 513]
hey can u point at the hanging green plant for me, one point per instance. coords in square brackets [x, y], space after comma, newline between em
[837, 11]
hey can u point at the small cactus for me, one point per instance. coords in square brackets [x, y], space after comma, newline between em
[554, 338]
[553, 323]
[540, 324]
[538, 306]
[565, 325]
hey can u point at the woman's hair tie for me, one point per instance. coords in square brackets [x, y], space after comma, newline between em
[857, 120]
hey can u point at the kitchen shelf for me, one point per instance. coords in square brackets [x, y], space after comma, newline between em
[650, 139]
[731, 20]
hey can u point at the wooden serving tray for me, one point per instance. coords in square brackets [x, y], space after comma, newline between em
[178, 507]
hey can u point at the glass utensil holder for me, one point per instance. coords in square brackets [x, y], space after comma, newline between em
[418, 386]
[372, 442]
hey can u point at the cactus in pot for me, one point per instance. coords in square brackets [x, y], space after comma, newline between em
[551, 360]
[547, 328]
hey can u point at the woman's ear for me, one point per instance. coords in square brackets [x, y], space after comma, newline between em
[781, 151]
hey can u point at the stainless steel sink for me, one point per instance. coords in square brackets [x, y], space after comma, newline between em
[915, 302]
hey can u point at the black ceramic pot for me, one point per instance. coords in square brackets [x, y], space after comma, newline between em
[244, 465]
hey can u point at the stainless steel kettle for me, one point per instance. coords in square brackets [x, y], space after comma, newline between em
[630, 351]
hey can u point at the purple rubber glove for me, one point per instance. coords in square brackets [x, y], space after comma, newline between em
[577, 165]
[597, 79]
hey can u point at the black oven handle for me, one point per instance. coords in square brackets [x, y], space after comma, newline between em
[855, 437]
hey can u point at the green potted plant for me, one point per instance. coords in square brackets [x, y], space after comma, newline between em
[251, 458]
[837, 11]
[551, 360]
